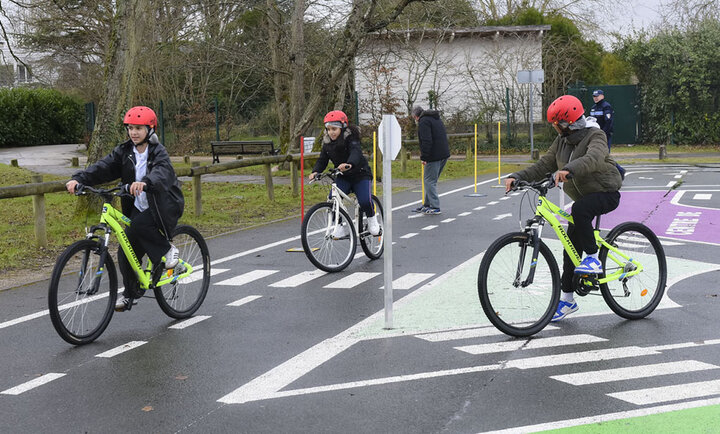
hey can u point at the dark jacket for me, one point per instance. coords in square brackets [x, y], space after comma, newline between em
[165, 198]
[432, 136]
[604, 114]
[584, 153]
[345, 149]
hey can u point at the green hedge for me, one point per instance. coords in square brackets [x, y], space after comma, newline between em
[33, 117]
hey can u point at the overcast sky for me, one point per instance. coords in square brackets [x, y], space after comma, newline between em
[633, 15]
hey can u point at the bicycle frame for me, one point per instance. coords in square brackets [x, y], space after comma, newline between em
[546, 211]
[110, 219]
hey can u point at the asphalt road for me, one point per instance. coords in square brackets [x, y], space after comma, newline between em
[309, 352]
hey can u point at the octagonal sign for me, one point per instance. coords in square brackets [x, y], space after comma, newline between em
[390, 136]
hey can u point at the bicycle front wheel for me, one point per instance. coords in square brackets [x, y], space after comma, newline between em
[513, 305]
[82, 293]
[329, 246]
[373, 245]
[181, 298]
[636, 296]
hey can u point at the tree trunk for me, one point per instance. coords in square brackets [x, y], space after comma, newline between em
[274, 26]
[297, 66]
[120, 74]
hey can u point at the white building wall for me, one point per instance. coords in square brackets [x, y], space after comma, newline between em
[469, 75]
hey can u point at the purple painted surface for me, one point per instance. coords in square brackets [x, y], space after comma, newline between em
[665, 218]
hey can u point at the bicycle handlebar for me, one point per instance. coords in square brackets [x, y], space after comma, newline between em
[541, 186]
[332, 174]
[120, 190]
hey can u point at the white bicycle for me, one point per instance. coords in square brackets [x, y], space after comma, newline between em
[329, 236]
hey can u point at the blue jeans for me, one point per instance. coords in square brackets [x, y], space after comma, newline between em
[433, 169]
[362, 192]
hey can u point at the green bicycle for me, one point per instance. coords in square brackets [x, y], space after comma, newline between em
[84, 285]
[519, 278]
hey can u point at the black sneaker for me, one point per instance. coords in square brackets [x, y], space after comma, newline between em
[421, 210]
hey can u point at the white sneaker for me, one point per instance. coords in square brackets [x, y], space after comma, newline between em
[171, 258]
[340, 231]
[122, 304]
[373, 225]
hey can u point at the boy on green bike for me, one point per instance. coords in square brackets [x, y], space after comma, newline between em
[157, 202]
[579, 157]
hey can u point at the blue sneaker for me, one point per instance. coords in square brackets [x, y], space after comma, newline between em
[433, 211]
[421, 209]
[564, 309]
[589, 265]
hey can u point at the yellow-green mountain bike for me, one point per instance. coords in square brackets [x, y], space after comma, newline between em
[519, 278]
[84, 284]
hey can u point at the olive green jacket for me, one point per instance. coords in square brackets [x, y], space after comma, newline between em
[584, 153]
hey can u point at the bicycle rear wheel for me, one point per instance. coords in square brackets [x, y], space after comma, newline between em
[323, 249]
[82, 293]
[511, 308]
[372, 245]
[637, 296]
[181, 298]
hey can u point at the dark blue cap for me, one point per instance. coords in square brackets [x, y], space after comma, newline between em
[598, 92]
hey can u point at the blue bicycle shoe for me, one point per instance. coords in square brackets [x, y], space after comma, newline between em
[589, 265]
[564, 309]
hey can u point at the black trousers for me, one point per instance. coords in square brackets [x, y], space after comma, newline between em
[584, 210]
[146, 239]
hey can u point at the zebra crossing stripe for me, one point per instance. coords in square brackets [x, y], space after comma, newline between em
[428, 228]
[409, 280]
[351, 280]
[189, 322]
[555, 341]
[298, 279]
[17, 390]
[245, 300]
[451, 219]
[463, 214]
[410, 235]
[633, 372]
[581, 357]
[247, 277]
[479, 332]
[656, 395]
[479, 208]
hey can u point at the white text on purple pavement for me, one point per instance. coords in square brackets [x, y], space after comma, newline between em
[684, 223]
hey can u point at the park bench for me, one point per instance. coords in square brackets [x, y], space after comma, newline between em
[247, 147]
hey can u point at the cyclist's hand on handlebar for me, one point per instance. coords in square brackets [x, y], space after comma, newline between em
[344, 167]
[71, 186]
[509, 184]
[561, 176]
[312, 176]
[136, 188]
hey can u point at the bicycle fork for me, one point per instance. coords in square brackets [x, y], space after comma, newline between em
[534, 235]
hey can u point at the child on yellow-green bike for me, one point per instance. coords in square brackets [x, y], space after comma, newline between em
[143, 163]
[580, 158]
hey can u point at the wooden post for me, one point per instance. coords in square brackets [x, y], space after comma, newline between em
[14, 163]
[186, 159]
[468, 152]
[294, 178]
[197, 191]
[403, 159]
[269, 182]
[75, 162]
[663, 152]
[39, 212]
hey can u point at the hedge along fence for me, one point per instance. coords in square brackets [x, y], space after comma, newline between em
[33, 117]
[38, 189]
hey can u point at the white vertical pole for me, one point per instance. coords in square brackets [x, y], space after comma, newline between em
[387, 223]
[532, 144]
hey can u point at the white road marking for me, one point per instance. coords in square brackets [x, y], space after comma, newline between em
[463, 214]
[502, 216]
[478, 208]
[451, 219]
[581, 357]
[189, 322]
[633, 372]
[414, 216]
[410, 235]
[197, 275]
[248, 277]
[702, 196]
[671, 183]
[244, 300]
[409, 280]
[493, 202]
[298, 279]
[352, 280]
[505, 198]
[429, 228]
[555, 341]
[121, 349]
[657, 395]
[17, 390]
[479, 332]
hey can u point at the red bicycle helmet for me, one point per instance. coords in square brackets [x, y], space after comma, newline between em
[336, 116]
[141, 115]
[567, 108]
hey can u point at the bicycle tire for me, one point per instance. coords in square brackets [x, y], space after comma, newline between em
[641, 243]
[322, 249]
[513, 310]
[80, 317]
[183, 297]
[373, 245]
